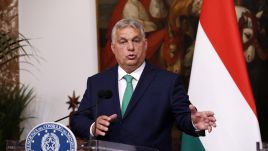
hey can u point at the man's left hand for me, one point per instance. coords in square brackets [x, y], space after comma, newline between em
[204, 120]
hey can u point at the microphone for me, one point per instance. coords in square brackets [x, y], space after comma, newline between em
[105, 94]
[102, 95]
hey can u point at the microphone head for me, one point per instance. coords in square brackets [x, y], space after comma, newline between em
[105, 94]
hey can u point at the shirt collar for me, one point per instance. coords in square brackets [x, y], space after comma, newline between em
[136, 74]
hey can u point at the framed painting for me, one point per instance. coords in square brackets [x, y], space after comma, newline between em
[171, 26]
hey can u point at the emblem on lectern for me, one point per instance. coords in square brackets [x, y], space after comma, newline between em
[50, 142]
[50, 136]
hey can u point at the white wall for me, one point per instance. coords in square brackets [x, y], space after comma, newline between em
[64, 33]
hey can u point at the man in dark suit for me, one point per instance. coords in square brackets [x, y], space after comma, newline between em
[146, 100]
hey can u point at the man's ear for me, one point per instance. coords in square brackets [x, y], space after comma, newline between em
[146, 44]
[112, 46]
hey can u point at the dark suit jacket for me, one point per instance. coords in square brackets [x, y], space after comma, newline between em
[158, 100]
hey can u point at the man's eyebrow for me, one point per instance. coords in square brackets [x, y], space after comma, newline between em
[134, 38]
[122, 38]
[137, 37]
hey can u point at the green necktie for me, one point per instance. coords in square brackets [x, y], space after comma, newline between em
[127, 94]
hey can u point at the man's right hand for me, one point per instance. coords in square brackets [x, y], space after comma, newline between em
[102, 124]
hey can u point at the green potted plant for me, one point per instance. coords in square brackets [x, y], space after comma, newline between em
[14, 96]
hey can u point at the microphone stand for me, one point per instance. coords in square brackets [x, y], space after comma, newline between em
[103, 94]
[96, 116]
[99, 99]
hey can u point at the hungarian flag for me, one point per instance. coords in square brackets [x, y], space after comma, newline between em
[219, 82]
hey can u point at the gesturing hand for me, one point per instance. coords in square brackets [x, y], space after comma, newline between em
[102, 123]
[204, 120]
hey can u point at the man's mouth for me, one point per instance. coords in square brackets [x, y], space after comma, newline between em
[131, 56]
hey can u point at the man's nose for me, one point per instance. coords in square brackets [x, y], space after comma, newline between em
[130, 45]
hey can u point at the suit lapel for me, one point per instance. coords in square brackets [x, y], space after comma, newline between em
[146, 78]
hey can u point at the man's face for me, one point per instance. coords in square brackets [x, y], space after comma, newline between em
[129, 48]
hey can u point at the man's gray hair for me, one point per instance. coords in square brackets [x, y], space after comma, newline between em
[127, 22]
